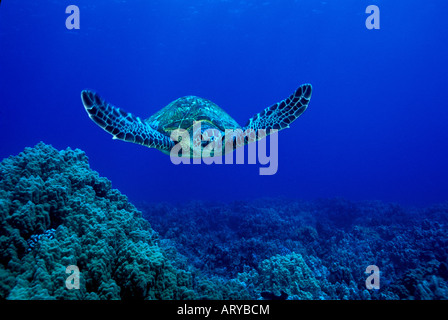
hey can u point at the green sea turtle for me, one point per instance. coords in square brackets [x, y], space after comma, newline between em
[194, 115]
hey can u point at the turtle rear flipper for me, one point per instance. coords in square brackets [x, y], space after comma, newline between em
[123, 125]
[280, 115]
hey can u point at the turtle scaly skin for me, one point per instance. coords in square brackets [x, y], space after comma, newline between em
[280, 115]
[186, 114]
[123, 125]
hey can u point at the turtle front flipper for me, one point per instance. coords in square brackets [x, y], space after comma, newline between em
[280, 115]
[123, 125]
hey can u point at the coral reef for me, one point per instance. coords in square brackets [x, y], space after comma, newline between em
[55, 212]
[312, 249]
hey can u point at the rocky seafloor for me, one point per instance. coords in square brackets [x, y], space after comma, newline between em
[55, 212]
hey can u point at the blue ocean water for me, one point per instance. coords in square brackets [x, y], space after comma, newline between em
[362, 179]
[375, 127]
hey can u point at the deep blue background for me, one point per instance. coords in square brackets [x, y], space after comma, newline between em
[376, 127]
